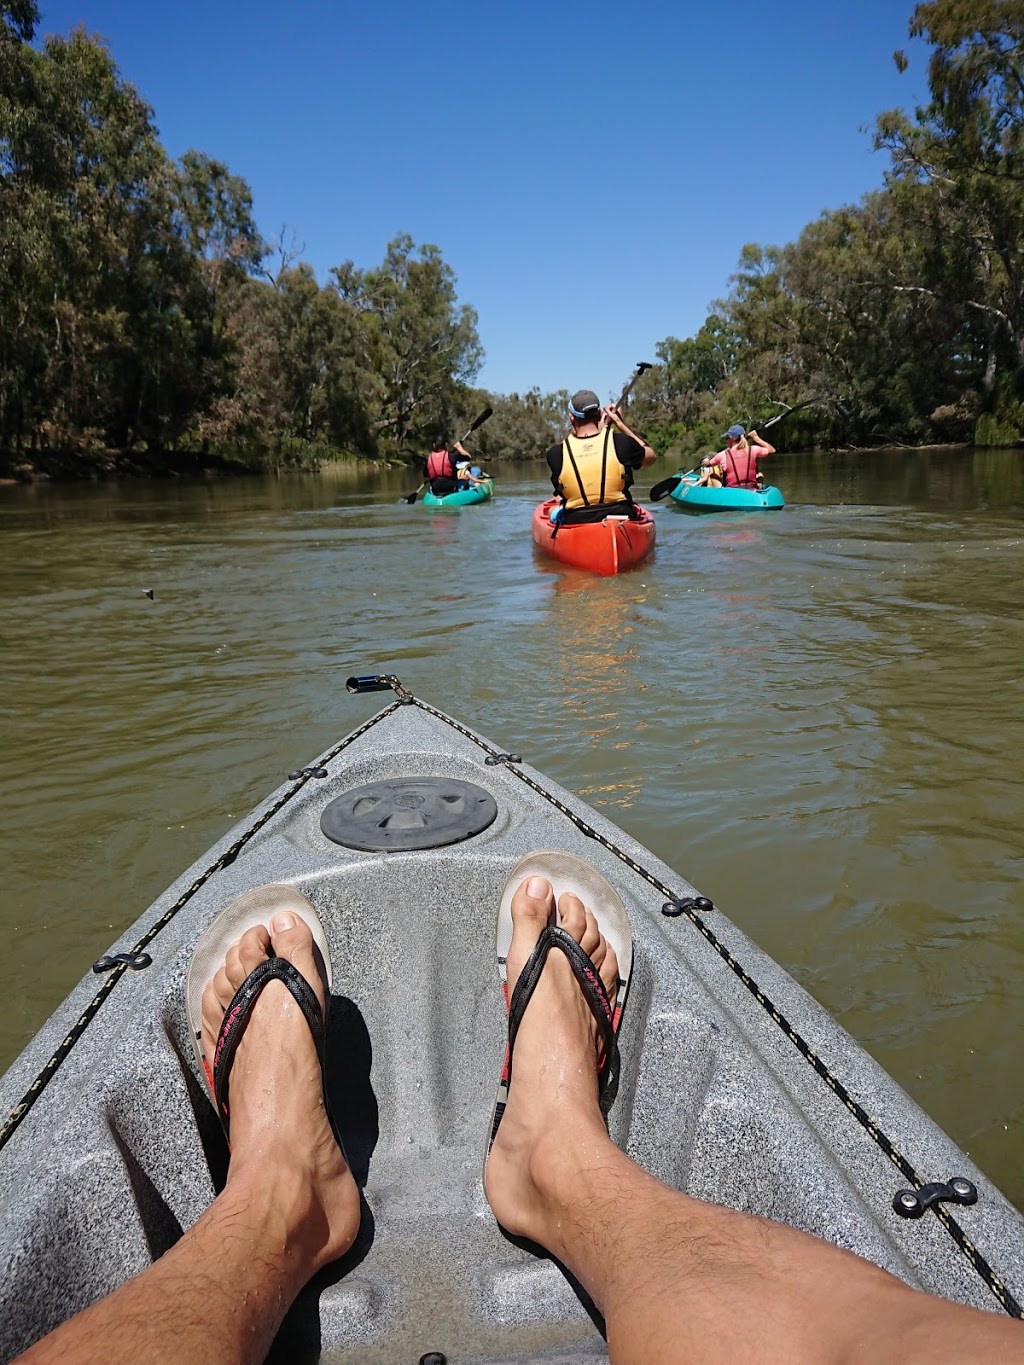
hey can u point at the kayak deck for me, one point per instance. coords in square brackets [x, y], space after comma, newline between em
[603, 547]
[696, 497]
[717, 1097]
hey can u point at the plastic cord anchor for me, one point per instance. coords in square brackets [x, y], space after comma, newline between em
[492, 760]
[915, 1203]
[679, 905]
[403, 694]
[296, 773]
[136, 961]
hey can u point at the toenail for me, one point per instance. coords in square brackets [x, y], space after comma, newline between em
[537, 887]
[282, 922]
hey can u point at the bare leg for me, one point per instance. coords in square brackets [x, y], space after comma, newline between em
[677, 1279]
[289, 1207]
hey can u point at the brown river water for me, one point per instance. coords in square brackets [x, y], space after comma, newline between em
[816, 716]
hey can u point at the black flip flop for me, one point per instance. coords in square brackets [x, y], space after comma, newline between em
[566, 872]
[255, 907]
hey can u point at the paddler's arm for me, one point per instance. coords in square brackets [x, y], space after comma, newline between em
[763, 448]
[612, 415]
[554, 461]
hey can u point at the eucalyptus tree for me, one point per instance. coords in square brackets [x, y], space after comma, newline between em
[966, 144]
[79, 159]
[417, 346]
[523, 426]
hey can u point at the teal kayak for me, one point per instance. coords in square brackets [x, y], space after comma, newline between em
[695, 497]
[465, 497]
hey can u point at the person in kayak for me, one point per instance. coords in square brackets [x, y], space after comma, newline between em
[674, 1278]
[592, 469]
[467, 476]
[440, 469]
[736, 465]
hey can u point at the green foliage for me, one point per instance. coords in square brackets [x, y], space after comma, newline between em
[1003, 424]
[522, 428]
[18, 20]
[134, 311]
[902, 317]
[416, 344]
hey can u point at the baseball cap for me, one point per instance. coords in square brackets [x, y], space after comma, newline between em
[735, 431]
[583, 403]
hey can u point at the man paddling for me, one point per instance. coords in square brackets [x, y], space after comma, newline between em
[592, 469]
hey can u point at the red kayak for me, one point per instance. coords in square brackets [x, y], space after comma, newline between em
[605, 547]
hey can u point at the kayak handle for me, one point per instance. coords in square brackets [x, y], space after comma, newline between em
[368, 682]
[380, 682]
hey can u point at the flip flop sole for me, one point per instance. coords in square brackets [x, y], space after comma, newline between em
[258, 906]
[565, 872]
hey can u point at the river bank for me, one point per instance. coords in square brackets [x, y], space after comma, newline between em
[105, 466]
[75, 466]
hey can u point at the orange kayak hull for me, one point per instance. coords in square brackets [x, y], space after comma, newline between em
[602, 547]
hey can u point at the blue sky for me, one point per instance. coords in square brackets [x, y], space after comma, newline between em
[590, 171]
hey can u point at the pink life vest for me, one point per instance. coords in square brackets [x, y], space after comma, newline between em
[739, 468]
[440, 465]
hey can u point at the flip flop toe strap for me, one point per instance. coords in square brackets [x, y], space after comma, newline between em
[590, 984]
[236, 1016]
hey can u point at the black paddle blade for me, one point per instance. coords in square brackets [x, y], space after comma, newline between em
[662, 490]
[487, 412]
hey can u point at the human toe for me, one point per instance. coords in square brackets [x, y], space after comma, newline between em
[291, 938]
[533, 906]
[534, 902]
[592, 938]
[572, 915]
[241, 958]
[608, 970]
[247, 954]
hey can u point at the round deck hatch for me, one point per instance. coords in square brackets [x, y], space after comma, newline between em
[408, 813]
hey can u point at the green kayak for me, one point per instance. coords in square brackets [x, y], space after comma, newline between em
[465, 497]
[697, 497]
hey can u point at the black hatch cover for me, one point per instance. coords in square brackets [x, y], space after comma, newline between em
[408, 813]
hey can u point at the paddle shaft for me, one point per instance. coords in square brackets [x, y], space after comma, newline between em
[642, 365]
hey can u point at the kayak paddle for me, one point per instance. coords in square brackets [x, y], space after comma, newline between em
[641, 365]
[662, 490]
[487, 412]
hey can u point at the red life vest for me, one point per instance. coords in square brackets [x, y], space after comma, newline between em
[440, 465]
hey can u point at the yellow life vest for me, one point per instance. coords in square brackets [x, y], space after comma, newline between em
[592, 473]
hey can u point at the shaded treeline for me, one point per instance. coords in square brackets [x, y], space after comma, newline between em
[902, 318]
[142, 315]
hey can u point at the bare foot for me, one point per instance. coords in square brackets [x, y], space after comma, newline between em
[552, 1121]
[283, 1150]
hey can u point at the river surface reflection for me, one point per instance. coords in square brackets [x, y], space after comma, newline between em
[817, 716]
